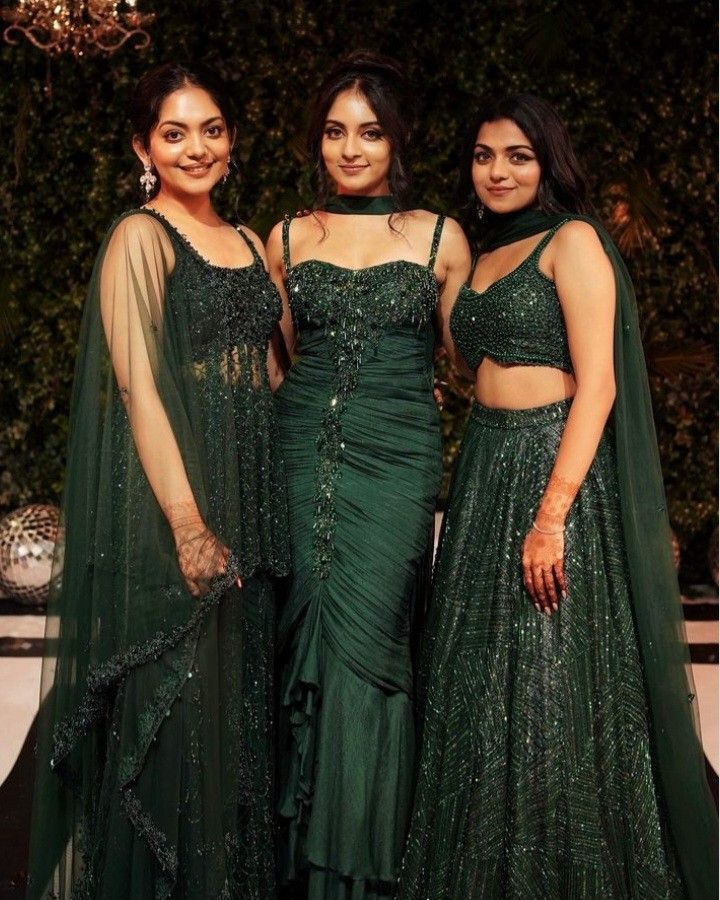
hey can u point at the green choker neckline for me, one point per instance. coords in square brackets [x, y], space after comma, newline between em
[356, 205]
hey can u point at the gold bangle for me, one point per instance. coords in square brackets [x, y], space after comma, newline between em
[542, 531]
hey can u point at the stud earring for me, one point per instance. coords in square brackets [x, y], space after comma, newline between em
[147, 179]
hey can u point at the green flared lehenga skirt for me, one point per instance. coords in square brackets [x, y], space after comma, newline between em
[536, 776]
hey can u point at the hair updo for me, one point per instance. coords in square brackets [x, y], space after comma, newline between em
[158, 83]
[382, 82]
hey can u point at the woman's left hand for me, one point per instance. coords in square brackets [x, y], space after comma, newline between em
[543, 565]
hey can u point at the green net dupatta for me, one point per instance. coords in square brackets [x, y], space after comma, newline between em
[165, 319]
[677, 748]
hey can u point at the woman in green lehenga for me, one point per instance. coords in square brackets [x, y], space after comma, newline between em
[559, 756]
[154, 761]
[367, 279]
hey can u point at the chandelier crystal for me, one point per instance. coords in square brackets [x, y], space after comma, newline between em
[79, 27]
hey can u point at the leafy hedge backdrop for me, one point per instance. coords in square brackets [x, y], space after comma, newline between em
[633, 81]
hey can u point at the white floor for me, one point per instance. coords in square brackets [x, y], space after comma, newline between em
[20, 686]
[19, 689]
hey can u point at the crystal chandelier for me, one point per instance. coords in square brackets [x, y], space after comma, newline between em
[78, 27]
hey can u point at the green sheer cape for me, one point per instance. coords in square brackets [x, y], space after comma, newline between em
[678, 754]
[179, 347]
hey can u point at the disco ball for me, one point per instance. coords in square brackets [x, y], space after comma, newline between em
[27, 543]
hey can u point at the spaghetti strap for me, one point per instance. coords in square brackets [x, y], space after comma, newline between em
[286, 242]
[251, 245]
[435, 241]
[545, 240]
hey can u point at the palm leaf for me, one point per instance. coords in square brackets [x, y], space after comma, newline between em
[636, 210]
[667, 361]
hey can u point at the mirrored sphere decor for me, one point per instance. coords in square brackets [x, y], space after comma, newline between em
[27, 544]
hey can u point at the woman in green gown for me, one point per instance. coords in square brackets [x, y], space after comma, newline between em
[559, 755]
[366, 280]
[154, 763]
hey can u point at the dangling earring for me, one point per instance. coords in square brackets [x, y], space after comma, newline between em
[227, 170]
[147, 179]
[479, 208]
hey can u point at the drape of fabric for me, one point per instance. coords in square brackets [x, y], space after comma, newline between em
[361, 443]
[155, 721]
[685, 803]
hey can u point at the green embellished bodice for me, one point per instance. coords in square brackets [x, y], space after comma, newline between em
[517, 320]
[350, 323]
[217, 323]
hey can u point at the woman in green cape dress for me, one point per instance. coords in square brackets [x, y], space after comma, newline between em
[154, 758]
[366, 278]
[560, 757]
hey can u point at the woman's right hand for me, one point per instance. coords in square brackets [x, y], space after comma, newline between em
[201, 555]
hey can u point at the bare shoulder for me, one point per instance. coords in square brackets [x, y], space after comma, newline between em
[453, 243]
[423, 218]
[578, 237]
[421, 215]
[256, 242]
[453, 233]
[273, 245]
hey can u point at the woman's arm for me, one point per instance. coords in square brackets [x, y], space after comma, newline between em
[453, 261]
[283, 344]
[132, 283]
[585, 283]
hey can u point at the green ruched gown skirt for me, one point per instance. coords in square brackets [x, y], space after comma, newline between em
[536, 773]
[347, 726]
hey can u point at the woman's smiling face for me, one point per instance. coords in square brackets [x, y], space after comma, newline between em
[190, 145]
[356, 153]
[505, 172]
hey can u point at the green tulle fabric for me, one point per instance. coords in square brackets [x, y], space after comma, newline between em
[361, 444]
[627, 828]
[154, 754]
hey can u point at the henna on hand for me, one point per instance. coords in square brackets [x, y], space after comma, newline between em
[201, 555]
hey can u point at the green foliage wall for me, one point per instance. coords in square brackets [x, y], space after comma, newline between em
[631, 80]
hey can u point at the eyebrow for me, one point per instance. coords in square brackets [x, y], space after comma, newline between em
[512, 147]
[184, 124]
[362, 124]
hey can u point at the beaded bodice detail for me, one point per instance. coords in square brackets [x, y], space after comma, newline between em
[218, 322]
[517, 320]
[354, 308]
[232, 306]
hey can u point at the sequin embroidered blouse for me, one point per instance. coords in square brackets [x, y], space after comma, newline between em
[517, 320]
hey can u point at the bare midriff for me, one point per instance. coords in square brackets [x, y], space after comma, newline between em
[510, 386]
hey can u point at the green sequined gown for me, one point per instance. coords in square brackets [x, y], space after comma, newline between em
[361, 443]
[536, 777]
[155, 731]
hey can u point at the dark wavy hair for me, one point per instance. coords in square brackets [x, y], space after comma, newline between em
[161, 81]
[563, 187]
[382, 82]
